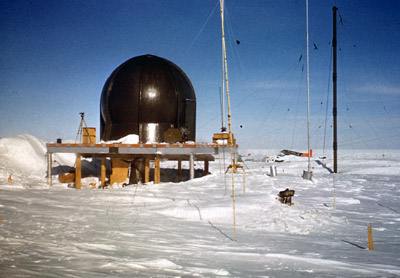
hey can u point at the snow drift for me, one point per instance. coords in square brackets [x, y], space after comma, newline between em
[25, 155]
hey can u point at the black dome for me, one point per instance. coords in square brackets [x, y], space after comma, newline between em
[146, 96]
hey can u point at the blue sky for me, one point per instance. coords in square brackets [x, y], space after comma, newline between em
[55, 57]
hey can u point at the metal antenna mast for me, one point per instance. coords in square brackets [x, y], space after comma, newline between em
[308, 174]
[223, 127]
[334, 44]
[230, 141]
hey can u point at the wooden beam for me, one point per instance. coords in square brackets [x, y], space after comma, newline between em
[119, 170]
[103, 172]
[78, 172]
[146, 170]
[370, 241]
[205, 167]
[156, 170]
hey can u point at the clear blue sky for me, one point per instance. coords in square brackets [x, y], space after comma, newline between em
[56, 55]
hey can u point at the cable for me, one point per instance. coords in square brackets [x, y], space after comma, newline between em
[201, 30]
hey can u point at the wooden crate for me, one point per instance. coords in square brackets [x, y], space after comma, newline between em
[89, 135]
[223, 136]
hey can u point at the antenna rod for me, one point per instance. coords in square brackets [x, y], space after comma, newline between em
[223, 128]
[308, 97]
[307, 175]
[334, 44]
[230, 141]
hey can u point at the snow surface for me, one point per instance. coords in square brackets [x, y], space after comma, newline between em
[185, 229]
[129, 139]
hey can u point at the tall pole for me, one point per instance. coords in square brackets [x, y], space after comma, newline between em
[223, 128]
[334, 44]
[308, 96]
[308, 174]
[230, 141]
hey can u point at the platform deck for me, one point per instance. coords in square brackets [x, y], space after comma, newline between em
[160, 151]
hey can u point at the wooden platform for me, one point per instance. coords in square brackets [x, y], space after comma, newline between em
[168, 151]
[150, 152]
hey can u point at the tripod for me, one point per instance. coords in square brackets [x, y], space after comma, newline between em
[80, 129]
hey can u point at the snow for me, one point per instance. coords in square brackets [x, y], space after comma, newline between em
[185, 229]
[129, 139]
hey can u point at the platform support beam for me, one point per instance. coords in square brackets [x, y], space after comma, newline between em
[206, 166]
[49, 168]
[78, 172]
[191, 166]
[103, 172]
[156, 170]
[146, 170]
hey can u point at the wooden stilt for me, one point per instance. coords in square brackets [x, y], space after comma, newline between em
[103, 172]
[157, 171]
[206, 167]
[370, 241]
[146, 170]
[78, 172]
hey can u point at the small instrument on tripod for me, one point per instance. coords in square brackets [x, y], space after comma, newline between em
[83, 131]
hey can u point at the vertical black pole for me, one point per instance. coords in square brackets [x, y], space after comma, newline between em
[334, 44]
